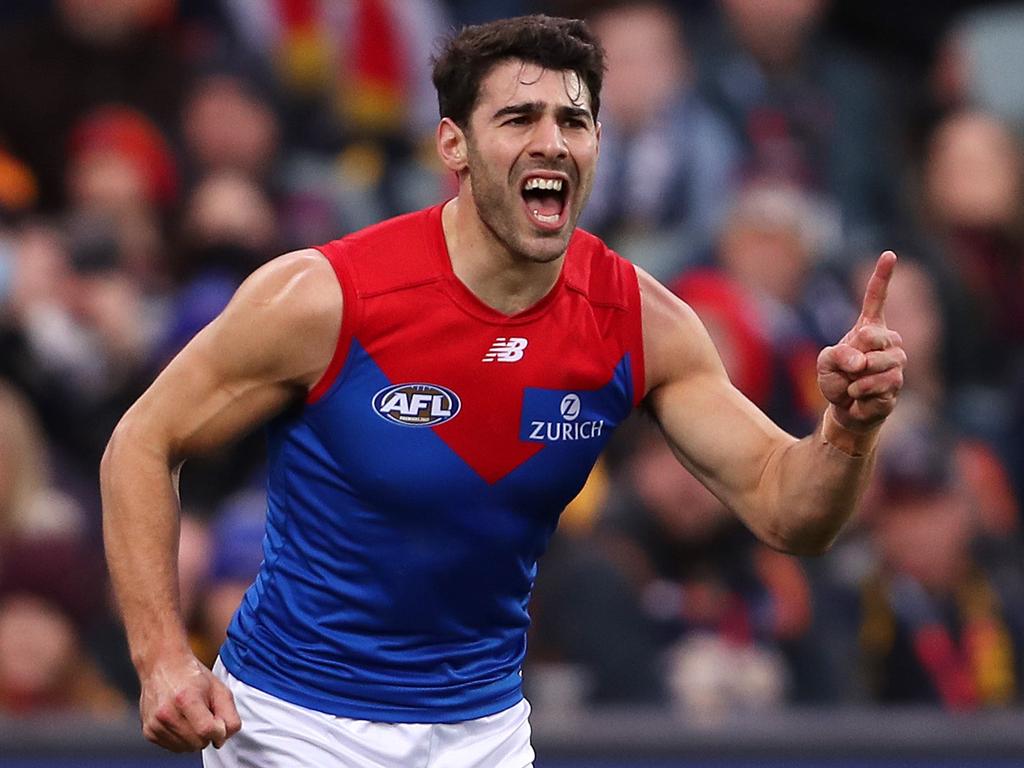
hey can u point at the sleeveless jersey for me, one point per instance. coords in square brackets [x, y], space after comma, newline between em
[411, 495]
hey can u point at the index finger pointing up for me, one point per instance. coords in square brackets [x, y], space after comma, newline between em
[873, 309]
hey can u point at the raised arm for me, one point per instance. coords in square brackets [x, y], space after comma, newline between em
[268, 347]
[795, 495]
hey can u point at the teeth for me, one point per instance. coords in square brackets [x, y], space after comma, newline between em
[539, 183]
[546, 219]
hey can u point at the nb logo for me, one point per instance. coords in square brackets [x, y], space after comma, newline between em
[506, 350]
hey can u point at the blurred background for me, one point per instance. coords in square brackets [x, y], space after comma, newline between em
[756, 157]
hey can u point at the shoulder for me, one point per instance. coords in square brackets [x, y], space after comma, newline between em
[299, 285]
[595, 270]
[285, 317]
[676, 344]
[396, 231]
[397, 252]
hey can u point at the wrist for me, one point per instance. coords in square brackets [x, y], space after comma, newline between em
[853, 442]
[159, 654]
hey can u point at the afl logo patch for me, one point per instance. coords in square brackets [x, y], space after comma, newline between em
[416, 405]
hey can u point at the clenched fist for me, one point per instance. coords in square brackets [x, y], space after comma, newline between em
[184, 707]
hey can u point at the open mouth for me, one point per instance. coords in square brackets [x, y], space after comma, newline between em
[545, 197]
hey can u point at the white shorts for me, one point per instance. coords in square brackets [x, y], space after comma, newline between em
[278, 734]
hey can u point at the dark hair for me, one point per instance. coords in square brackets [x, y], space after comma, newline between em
[547, 41]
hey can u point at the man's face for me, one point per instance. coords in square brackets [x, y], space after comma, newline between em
[532, 147]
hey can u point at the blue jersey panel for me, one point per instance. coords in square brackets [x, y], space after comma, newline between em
[396, 580]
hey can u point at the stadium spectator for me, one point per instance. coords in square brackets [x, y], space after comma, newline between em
[978, 60]
[355, 65]
[724, 608]
[77, 336]
[229, 125]
[83, 53]
[228, 224]
[669, 164]
[941, 617]
[973, 192]
[771, 248]
[930, 457]
[807, 111]
[51, 581]
[731, 315]
[356, 98]
[119, 160]
[590, 640]
[122, 183]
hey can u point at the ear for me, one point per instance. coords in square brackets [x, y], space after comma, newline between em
[597, 132]
[451, 145]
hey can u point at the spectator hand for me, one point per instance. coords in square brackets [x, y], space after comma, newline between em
[184, 707]
[862, 375]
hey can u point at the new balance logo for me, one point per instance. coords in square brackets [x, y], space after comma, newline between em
[506, 350]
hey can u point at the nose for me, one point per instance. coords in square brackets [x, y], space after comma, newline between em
[547, 141]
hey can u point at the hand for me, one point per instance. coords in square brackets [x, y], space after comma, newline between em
[184, 707]
[862, 375]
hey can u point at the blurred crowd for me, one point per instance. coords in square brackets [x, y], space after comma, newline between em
[756, 156]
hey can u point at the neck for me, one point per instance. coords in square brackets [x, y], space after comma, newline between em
[503, 280]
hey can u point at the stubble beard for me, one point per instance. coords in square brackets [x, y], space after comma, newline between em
[498, 205]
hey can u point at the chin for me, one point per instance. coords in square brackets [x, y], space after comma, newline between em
[544, 250]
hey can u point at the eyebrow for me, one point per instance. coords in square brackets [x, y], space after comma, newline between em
[534, 107]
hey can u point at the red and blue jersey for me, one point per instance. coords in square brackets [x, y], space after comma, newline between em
[410, 497]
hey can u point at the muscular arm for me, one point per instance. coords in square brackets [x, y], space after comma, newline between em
[795, 495]
[267, 348]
